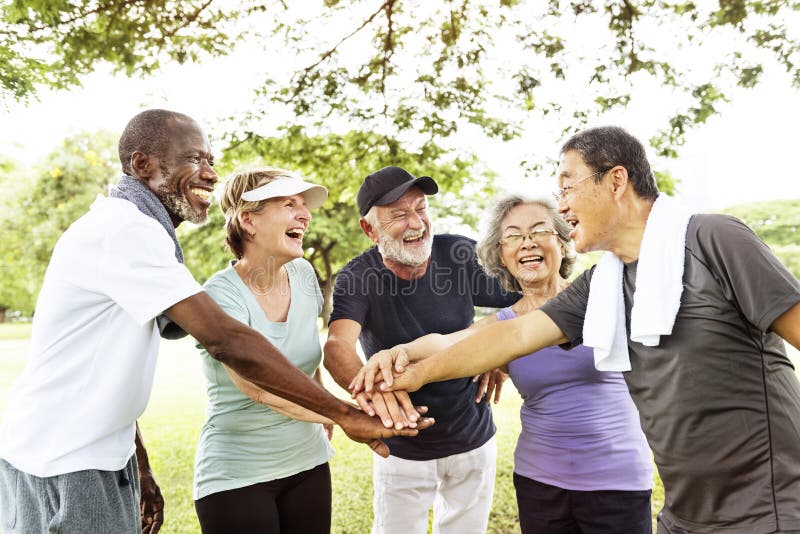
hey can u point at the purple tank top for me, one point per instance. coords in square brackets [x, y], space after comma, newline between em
[580, 428]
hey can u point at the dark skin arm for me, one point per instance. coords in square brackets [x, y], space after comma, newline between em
[253, 358]
[788, 325]
[152, 503]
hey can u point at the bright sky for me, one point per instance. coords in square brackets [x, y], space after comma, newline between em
[745, 154]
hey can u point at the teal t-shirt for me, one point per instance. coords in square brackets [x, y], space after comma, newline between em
[243, 442]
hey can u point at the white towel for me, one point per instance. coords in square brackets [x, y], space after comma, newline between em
[659, 285]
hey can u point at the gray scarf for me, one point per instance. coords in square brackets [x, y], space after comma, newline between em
[132, 190]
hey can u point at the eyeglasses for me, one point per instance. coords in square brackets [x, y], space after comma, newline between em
[563, 191]
[536, 236]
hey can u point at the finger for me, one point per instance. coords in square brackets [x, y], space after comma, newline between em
[482, 387]
[401, 362]
[382, 411]
[394, 410]
[498, 388]
[379, 448]
[425, 422]
[407, 406]
[491, 386]
[364, 404]
[356, 385]
[386, 370]
[422, 410]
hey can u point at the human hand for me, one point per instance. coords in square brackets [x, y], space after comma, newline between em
[151, 504]
[379, 368]
[491, 382]
[362, 428]
[394, 408]
[411, 379]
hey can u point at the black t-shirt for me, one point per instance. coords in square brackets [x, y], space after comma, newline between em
[718, 398]
[391, 310]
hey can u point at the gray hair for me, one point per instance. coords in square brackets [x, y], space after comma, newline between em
[604, 147]
[488, 245]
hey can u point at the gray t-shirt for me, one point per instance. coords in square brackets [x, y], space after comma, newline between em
[718, 399]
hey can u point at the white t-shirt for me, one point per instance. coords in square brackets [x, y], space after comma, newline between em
[94, 343]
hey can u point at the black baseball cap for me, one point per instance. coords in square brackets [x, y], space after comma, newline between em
[387, 185]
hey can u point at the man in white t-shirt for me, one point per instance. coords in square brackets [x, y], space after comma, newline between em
[67, 443]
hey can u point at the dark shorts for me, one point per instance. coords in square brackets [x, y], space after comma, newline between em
[546, 509]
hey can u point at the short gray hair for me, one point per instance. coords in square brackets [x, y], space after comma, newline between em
[488, 245]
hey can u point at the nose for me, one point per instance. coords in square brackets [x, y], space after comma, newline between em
[303, 213]
[528, 242]
[416, 222]
[207, 172]
[562, 204]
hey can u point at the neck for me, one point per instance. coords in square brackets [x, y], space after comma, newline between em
[533, 296]
[405, 272]
[262, 270]
[628, 233]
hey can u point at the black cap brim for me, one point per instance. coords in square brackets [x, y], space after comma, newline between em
[425, 183]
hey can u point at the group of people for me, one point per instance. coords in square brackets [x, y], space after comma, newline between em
[671, 344]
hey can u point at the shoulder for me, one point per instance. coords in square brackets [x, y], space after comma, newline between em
[302, 267]
[369, 259]
[222, 283]
[712, 230]
[453, 248]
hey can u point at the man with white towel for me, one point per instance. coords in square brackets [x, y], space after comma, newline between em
[693, 308]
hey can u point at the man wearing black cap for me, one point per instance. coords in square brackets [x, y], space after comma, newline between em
[412, 284]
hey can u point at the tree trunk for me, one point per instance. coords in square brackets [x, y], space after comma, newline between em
[3, 315]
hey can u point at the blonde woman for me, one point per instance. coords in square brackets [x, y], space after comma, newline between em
[264, 468]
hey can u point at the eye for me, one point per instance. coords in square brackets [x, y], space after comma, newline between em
[210, 162]
[193, 159]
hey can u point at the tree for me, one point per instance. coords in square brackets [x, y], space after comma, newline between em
[340, 162]
[426, 67]
[38, 212]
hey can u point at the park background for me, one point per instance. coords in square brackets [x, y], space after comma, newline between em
[476, 93]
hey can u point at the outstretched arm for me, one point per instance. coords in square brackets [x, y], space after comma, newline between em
[279, 404]
[395, 409]
[256, 360]
[488, 348]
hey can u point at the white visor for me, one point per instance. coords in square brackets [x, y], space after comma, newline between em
[313, 194]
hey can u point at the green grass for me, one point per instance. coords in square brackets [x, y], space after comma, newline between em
[171, 426]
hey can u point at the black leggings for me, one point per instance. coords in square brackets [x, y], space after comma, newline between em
[297, 504]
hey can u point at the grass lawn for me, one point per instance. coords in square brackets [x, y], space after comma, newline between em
[171, 426]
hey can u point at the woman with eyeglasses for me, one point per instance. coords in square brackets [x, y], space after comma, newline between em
[262, 462]
[581, 464]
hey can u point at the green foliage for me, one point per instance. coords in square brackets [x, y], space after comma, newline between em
[36, 211]
[339, 162]
[430, 67]
[55, 42]
[776, 222]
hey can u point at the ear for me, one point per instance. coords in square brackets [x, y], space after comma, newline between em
[368, 230]
[246, 222]
[619, 180]
[142, 165]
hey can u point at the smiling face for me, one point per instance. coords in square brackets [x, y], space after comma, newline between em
[183, 179]
[531, 261]
[278, 228]
[588, 206]
[402, 229]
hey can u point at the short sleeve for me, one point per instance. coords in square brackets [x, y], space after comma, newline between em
[568, 308]
[229, 298]
[350, 299]
[138, 270]
[749, 273]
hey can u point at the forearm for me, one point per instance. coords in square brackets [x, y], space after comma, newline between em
[255, 360]
[280, 405]
[342, 361]
[491, 347]
[141, 452]
[426, 346]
